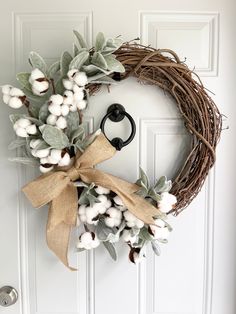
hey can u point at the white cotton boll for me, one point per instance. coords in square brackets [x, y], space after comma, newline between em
[128, 237]
[56, 154]
[71, 73]
[35, 74]
[78, 89]
[110, 222]
[101, 190]
[82, 209]
[35, 91]
[56, 99]
[6, 89]
[86, 238]
[118, 203]
[65, 110]
[40, 87]
[104, 201]
[41, 153]
[100, 208]
[16, 92]
[44, 161]
[68, 84]
[51, 119]
[34, 143]
[65, 160]
[95, 243]
[139, 223]
[91, 212]
[80, 78]
[23, 123]
[15, 103]
[44, 169]
[167, 201]
[6, 98]
[31, 129]
[162, 233]
[73, 107]
[61, 123]
[68, 97]
[114, 212]
[81, 105]
[21, 132]
[78, 96]
[129, 216]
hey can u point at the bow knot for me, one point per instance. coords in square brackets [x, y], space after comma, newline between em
[57, 189]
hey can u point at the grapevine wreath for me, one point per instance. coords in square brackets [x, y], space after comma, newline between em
[51, 135]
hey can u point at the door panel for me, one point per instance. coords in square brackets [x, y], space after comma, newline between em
[195, 273]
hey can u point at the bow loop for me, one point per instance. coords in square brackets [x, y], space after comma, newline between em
[74, 173]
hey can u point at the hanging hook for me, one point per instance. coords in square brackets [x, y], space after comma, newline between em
[117, 113]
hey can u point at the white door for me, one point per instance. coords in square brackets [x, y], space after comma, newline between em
[196, 272]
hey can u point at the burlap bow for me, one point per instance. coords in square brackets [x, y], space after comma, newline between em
[58, 189]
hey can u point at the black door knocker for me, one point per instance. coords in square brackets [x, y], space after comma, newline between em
[116, 113]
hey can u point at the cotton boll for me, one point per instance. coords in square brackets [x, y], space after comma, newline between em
[78, 95]
[65, 160]
[129, 216]
[41, 153]
[73, 108]
[128, 237]
[110, 222]
[132, 221]
[101, 190]
[167, 201]
[65, 110]
[100, 208]
[21, 132]
[23, 123]
[45, 169]
[44, 161]
[82, 213]
[78, 89]
[15, 102]
[139, 223]
[16, 92]
[68, 97]
[35, 74]
[6, 98]
[55, 109]
[40, 88]
[6, 89]
[56, 154]
[71, 74]
[118, 203]
[104, 201]
[31, 129]
[51, 119]
[61, 123]
[56, 99]
[81, 105]
[80, 78]
[34, 143]
[68, 84]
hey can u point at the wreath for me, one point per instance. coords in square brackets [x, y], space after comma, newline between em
[51, 136]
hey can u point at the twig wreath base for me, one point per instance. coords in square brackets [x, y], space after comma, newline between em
[51, 136]
[164, 69]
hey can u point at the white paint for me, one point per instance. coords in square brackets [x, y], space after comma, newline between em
[196, 272]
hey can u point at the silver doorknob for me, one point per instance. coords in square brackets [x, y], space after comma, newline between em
[8, 296]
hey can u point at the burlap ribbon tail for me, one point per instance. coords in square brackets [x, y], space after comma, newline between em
[58, 189]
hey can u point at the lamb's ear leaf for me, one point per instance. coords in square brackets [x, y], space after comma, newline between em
[23, 79]
[73, 120]
[75, 50]
[16, 116]
[92, 70]
[81, 40]
[54, 68]
[110, 249]
[54, 137]
[100, 42]
[79, 60]
[43, 112]
[143, 180]
[104, 80]
[65, 61]
[163, 185]
[156, 248]
[113, 64]
[38, 62]
[99, 60]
